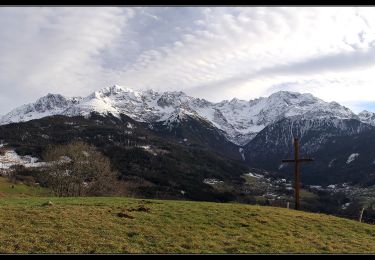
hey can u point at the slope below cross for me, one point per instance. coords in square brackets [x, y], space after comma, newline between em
[296, 162]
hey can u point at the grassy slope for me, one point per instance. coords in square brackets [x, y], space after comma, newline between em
[92, 225]
[9, 190]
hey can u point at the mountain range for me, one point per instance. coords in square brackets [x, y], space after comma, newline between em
[239, 120]
[257, 132]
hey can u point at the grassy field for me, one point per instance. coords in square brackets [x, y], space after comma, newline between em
[10, 190]
[124, 225]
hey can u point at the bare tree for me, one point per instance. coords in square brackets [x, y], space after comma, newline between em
[78, 169]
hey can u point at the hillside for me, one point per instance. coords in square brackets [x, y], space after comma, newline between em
[330, 142]
[158, 167]
[125, 225]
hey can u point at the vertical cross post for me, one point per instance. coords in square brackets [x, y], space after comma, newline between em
[296, 162]
[361, 214]
[296, 173]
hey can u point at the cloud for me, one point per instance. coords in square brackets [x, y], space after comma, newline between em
[54, 49]
[245, 51]
[341, 62]
[211, 52]
[350, 61]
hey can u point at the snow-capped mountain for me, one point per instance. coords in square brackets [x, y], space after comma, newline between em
[239, 120]
[250, 117]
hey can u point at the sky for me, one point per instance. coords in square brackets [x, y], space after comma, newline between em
[214, 53]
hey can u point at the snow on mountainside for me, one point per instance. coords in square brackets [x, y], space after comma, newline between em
[240, 120]
[352, 157]
[250, 117]
[45, 106]
[367, 117]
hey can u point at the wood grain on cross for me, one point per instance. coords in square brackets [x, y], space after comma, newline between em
[296, 162]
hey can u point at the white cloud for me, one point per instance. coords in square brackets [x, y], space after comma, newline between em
[55, 49]
[216, 53]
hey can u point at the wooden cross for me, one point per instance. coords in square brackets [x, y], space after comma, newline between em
[296, 162]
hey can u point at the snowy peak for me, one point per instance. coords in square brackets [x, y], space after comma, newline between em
[174, 99]
[293, 103]
[50, 101]
[365, 114]
[115, 92]
[367, 117]
[289, 95]
[179, 115]
[51, 104]
[286, 98]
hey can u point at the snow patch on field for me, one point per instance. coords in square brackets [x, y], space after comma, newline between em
[254, 175]
[316, 187]
[148, 148]
[212, 181]
[352, 157]
[345, 206]
[11, 158]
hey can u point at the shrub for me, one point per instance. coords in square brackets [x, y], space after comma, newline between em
[78, 169]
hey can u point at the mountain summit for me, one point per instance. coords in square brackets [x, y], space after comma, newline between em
[240, 120]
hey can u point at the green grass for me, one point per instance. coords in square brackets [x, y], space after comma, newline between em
[92, 225]
[305, 194]
[16, 190]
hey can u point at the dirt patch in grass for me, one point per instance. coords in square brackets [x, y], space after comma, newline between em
[140, 208]
[124, 215]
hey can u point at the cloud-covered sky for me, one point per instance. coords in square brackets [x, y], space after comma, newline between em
[210, 52]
